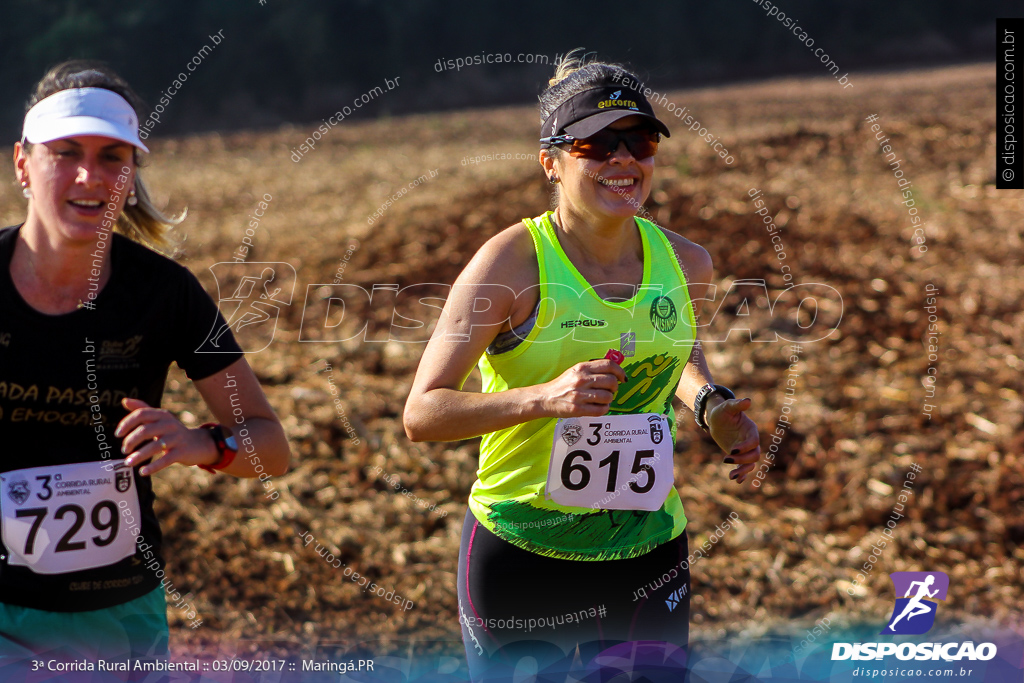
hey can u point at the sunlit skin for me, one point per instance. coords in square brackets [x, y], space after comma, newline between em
[51, 265]
[598, 221]
[57, 232]
[596, 229]
[583, 194]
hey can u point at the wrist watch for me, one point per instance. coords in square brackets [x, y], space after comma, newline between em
[701, 402]
[227, 447]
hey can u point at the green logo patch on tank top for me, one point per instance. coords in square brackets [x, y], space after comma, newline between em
[663, 314]
[647, 378]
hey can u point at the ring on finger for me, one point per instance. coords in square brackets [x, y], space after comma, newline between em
[163, 447]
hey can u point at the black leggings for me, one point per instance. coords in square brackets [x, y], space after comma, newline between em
[524, 613]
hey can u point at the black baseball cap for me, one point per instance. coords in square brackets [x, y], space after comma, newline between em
[589, 111]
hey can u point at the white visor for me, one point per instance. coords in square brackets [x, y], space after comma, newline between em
[82, 111]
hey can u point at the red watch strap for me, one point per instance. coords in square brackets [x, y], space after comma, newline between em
[227, 455]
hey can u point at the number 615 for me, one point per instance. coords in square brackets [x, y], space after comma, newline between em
[569, 465]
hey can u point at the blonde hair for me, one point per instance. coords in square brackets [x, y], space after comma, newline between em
[143, 223]
[571, 62]
[146, 224]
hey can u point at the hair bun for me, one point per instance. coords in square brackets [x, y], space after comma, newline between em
[571, 62]
[574, 74]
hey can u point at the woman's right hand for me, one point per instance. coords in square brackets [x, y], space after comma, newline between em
[584, 390]
[484, 302]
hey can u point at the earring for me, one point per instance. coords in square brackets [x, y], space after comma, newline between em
[26, 191]
[553, 179]
[132, 199]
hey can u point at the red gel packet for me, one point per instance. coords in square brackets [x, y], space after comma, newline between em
[615, 356]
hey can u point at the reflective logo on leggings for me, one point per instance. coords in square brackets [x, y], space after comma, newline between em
[469, 628]
[675, 597]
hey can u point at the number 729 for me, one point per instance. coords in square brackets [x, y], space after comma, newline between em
[66, 544]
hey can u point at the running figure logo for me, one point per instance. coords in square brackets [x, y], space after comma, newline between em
[915, 611]
[627, 344]
[255, 301]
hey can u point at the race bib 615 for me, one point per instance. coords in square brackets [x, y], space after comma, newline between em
[615, 462]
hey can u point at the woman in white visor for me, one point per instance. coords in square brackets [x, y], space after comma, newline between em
[90, 321]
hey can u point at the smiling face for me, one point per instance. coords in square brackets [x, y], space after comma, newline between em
[73, 180]
[615, 187]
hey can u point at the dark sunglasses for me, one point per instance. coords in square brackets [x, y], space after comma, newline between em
[641, 143]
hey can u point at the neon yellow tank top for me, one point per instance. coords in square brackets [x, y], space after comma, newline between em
[655, 330]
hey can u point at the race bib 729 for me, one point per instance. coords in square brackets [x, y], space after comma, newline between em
[66, 518]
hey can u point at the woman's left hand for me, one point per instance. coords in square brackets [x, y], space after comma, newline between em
[155, 435]
[736, 434]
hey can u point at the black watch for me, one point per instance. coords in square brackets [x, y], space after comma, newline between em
[701, 402]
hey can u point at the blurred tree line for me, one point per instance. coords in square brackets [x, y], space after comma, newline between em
[302, 60]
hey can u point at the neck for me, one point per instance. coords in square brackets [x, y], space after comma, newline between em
[605, 240]
[54, 274]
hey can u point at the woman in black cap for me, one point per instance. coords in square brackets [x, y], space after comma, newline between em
[90, 321]
[588, 335]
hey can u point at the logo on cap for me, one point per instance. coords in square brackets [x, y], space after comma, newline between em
[614, 101]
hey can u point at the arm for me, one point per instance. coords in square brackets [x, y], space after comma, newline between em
[732, 430]
[226, 393]
[438, 409]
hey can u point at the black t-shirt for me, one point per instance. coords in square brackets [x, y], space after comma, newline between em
[151, 312]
